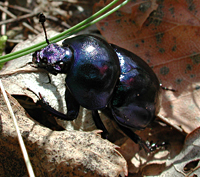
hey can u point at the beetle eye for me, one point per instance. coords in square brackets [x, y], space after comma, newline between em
[44, 60]
[61, 64]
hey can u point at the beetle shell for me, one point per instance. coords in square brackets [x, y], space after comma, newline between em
[136, 99]
[94, 71]
[103, 76]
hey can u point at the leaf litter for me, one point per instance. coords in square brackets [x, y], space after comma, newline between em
[168, 58]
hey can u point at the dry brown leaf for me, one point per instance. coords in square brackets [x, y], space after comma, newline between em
[54, 153]
[187, 162]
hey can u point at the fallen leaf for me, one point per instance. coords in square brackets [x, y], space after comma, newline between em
[187, 162]
[54, 153]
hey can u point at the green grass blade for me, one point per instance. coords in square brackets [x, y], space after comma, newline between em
[82, 25]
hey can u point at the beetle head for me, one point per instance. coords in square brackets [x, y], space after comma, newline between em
[54, 58]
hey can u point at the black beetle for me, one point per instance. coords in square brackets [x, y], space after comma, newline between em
[102, 76]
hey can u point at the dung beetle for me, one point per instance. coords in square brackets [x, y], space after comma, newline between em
[102, 76]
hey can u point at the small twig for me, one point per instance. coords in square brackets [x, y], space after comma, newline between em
[18, 18]
[15, 18]
[54, 19]
[3, 27]
[192, 170]
[72, 1]
[21, 142]
[22, 9]
[179, 170]
[15, 40]
[30, 27]
[5, 10]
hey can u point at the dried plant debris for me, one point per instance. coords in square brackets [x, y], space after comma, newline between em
[55, 153]
[187, 162]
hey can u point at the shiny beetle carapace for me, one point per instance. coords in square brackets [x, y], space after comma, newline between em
[102, 76]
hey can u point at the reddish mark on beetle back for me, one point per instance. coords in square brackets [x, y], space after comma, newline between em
[103, 69]
[131, 81]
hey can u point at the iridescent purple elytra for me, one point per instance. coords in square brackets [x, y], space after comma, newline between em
[102, 76]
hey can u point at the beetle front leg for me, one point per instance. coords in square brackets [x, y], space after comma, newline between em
[72, 106]
[99, 124]
[138, 140]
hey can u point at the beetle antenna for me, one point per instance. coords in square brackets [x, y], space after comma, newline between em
[42, 19]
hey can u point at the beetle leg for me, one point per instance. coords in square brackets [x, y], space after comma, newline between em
[72, 106]
[136, 139]
[166, 88]
[99, 124]
[46, 107]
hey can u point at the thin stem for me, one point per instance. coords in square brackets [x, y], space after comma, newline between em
[82, 25]
[21, 142]
[89, 23]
